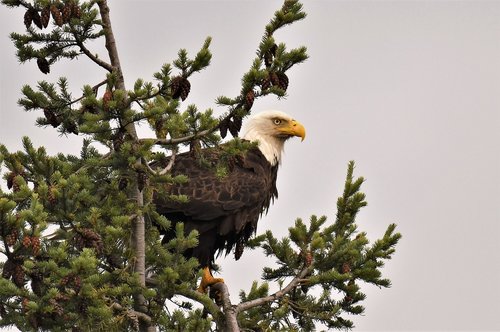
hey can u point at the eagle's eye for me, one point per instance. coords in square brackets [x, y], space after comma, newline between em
[277, 121]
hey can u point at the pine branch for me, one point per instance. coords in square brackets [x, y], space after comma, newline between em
[296, 281]
[91, 56]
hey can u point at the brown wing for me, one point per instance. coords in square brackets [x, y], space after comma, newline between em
[247, 184]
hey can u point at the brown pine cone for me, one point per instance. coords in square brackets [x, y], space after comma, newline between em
[36, 18]
[52, 118]
[106, 98]
[238, 122]
[308, 258]
[266, 83]
[8, 269]
[35, 245]
[56, 15]
[11, 239]
[283, 81]
[346, 268]
[18, 276]
[142, 179]
[71, 127]
[76, 11]
[43, 65]
[175, 86]
[274, 79]
[45, 16]
[233, 128]
[58, 309]
[87, 238]
[27, 241]
[249, 99]
[185, 89]
[66, 12]
[10, 180]
[268, 59]
[28, 18]
[223, 126]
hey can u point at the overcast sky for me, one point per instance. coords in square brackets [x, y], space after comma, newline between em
[410, 90]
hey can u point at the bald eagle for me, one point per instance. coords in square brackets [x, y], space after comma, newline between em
[225, 208]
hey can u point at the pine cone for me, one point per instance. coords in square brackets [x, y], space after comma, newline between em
[76, 11]
[122, 184]
[36, 18]
[18, 276]
[106, 98]
[36, 282]
[223, 126]
[87, 238]
[346, 268]
[43, 65]
[141, 180]
[45, 16]
[27, 241]
[240, 247]
[71, 127]
[249, 99]
[175, 86]
[268, 59]
[58, 309]
[185, 89]
[273, 49]
[8, 269]
[283, 81]
[118, 140]
[66, 12]
[266, 83]
[52, 118]
[35, 245]
[10, 180]
[56, 15]
[51, 196]
[24, 303]
[28, 18]
[238, 122]
[308, 258]
[180, 87]
[77, 283]
[233, 128]
[11, 239]
[274, 79]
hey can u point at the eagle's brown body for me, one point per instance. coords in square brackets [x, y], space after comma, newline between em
[223, 209]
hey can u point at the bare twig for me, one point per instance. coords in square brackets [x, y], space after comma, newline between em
[94, 88]
[94, 58]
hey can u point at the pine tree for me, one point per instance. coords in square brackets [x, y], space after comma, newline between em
[80, 233]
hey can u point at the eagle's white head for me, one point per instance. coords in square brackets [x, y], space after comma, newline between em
[271, 129]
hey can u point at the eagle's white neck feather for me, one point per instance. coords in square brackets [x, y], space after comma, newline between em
[259, 129]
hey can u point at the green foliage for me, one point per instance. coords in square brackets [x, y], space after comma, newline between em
[338, 259]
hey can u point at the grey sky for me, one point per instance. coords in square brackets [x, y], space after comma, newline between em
[410, 90]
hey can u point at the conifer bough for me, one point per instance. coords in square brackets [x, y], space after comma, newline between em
[80, 236]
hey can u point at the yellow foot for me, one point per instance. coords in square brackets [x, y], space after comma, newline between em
[207, 280]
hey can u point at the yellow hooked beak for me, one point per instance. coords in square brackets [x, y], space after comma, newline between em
[293, 128]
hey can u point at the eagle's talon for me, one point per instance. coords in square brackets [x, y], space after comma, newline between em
[207, 280]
